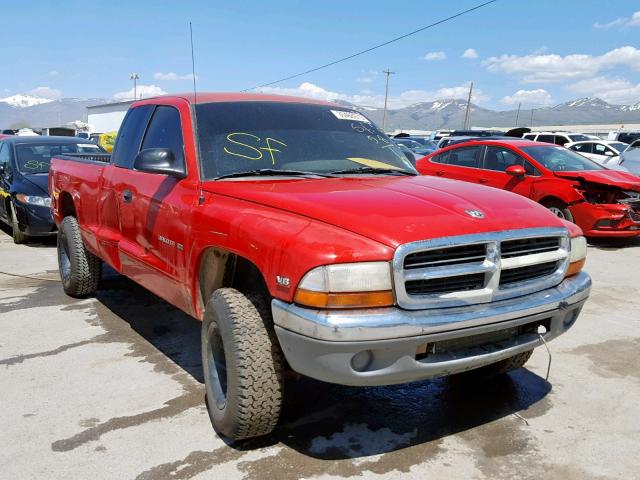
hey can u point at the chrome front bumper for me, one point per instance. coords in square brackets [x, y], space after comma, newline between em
[322, 344]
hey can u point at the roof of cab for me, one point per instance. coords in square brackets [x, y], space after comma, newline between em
[213, 97]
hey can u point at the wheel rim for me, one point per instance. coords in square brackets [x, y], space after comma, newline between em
[557, 212]
[64, 261]
[216, 366]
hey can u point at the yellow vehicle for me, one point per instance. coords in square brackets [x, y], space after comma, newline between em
[105, 140]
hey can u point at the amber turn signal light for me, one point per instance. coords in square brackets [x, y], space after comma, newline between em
[309, 298]
[575, 267]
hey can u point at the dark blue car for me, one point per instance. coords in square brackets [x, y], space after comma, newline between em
[24, 171]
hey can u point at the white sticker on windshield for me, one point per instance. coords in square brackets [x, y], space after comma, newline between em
[343, 115]
[87, 145]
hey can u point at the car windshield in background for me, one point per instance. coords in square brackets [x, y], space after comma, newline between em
[559, 159]
[239, 137]
[619, 146]
[35, 158]
[578, 138]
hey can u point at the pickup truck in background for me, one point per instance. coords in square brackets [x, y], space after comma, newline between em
[303, 239]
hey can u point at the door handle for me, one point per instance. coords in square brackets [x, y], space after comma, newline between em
[440, 173]
[127, 196]
[483, 180]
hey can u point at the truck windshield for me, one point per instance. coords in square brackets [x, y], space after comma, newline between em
[239, 137]
[33, 158]
[559, 159]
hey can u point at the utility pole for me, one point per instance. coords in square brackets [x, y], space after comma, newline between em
[518, 114]
[466, 113]
[388, 72]
[135, 77]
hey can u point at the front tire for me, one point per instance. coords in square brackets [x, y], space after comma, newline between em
[79, 269]
[243, 366]
[559, 209]
[18, 236]
[506, 365]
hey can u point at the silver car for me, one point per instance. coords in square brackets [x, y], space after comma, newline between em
[630, 158]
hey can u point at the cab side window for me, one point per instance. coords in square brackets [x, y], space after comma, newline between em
[130, 136]
[600, 149]
[165, 132]
[465, 157]
[546, 138]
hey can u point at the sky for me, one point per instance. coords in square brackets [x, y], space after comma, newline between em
[536, 53]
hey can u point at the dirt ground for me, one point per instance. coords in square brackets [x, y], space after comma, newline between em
[111, 387]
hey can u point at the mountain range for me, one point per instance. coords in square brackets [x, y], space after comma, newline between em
[26, 110]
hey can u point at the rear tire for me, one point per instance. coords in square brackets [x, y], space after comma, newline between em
[559, 209]
[243, 366]
[79, 269]
[18, 236]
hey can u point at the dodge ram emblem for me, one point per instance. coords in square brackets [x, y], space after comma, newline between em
[474, 213]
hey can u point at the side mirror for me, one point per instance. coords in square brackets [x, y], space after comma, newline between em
[515, 170]
[161, 161]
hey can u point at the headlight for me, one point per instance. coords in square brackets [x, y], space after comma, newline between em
[347, 285]
[34, 200]
[577, 256]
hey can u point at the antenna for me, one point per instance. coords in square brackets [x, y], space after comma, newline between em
[193, 65]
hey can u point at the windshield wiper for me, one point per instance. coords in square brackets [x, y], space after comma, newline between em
[271, 172]
[392, 171]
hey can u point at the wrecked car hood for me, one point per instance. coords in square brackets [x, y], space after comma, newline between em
[613, 178]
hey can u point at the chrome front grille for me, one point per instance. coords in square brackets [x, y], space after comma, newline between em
[480, 268]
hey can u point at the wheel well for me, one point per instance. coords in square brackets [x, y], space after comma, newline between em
[219, 268]
[66, 206]
[550, 199]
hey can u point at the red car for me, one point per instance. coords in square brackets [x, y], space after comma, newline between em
[603, 202]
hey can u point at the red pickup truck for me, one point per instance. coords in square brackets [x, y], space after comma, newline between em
[303, 239]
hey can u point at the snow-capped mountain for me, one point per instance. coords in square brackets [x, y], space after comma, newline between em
[449, 113]
[23, 101]
[40, 112]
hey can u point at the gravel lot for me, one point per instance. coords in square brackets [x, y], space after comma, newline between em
[111, 387]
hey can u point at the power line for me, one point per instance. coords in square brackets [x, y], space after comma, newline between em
[362, 52]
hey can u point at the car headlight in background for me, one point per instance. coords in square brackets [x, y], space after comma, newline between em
[347, 285]
[34, 200]
[577, 256]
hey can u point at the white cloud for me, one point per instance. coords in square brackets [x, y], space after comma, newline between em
[46, 92]
[633, 21]
[470, 53]
[364, 79]
[53, 73]
[404, 99]
[142, 91]
[435, 56]
[612, 90]
[536, 97]
[553, 68]
[170, 76]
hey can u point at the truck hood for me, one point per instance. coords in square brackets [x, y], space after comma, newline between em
[394, 210]
[612, 178]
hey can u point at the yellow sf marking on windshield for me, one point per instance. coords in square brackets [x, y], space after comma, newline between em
[372, 163]
[258, 150]
[230, 138]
